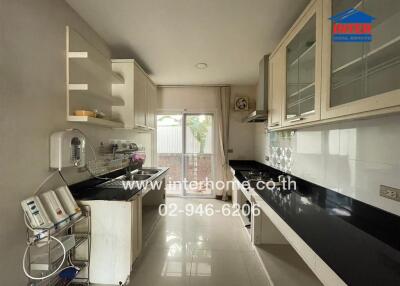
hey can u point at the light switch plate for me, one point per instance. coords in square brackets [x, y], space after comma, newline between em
[389, 193]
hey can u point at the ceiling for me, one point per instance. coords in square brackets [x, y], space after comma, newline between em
[169, 37]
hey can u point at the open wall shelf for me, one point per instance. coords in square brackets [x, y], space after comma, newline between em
[83, 90]
[89, 81]
[284, 266]
[95, 121]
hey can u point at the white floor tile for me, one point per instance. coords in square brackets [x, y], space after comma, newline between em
[198, 250]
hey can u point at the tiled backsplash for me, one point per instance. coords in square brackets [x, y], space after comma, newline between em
[353, 158]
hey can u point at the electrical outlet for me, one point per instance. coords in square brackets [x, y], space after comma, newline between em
[389, 193]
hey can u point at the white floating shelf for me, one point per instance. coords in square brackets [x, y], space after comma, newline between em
[78, 55]
[114, 100]
[117, 101]
[78, 86]
[95, 121]
[117, 78]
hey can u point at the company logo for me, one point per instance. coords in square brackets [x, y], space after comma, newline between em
[352, 26]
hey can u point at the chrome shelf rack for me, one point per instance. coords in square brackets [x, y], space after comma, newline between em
[81, 229]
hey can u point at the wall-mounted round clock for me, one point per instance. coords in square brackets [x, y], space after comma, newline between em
[241, 103]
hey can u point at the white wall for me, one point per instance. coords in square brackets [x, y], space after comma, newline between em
[241, 135]
[190, 98]
[203, 99]
[260, 142]
[32, 106]
[352, 158]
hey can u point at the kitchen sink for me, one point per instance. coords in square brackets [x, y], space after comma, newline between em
[139, 177]
[119, 182]
[147, 171]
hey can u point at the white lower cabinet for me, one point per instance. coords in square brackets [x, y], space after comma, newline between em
[238, 197]
[116, 239]
[136, 228]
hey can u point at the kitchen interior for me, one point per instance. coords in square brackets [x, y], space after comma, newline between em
[119, 119]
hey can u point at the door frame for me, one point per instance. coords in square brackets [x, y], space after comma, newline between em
[184, 113]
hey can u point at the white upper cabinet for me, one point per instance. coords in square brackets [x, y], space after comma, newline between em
[138, 93]
[151, 91]
[140, 100]
[275, 90]
[302, 49]
[361, 79]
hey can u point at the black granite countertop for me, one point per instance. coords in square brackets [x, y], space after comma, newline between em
[361, 243]
[95, 189]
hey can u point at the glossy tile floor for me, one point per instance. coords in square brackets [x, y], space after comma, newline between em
[198, 250]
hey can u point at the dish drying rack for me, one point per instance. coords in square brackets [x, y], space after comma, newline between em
[110, 164]
[78, 254]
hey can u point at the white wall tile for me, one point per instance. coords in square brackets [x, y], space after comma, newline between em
[353, 158]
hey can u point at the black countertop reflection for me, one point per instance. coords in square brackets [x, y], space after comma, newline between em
[91, 190]
[361, 243]
[95, 189]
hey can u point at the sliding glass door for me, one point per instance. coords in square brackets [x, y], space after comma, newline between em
[185, 144]
[198, 154]
[170, 150]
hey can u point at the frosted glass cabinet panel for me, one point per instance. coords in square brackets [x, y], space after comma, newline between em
[302, 63]
[300, 72]
[362, 76]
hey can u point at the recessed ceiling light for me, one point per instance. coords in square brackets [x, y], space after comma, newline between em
[201, 66]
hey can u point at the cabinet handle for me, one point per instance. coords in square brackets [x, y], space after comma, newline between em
[274, 124]
[296, 119]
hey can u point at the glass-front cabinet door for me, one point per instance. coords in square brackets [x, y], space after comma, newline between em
[303, 68]
[361, 76]
[275, 90]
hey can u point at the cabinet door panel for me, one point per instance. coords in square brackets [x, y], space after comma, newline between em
[151, 104]
[275, 91]
[136, 228]
[302, 58]
[362, 77]
[140, 103]
[300, 71]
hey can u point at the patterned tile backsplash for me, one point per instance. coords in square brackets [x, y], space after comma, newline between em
[353, 158]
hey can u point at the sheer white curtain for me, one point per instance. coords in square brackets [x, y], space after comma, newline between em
[223, 137]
